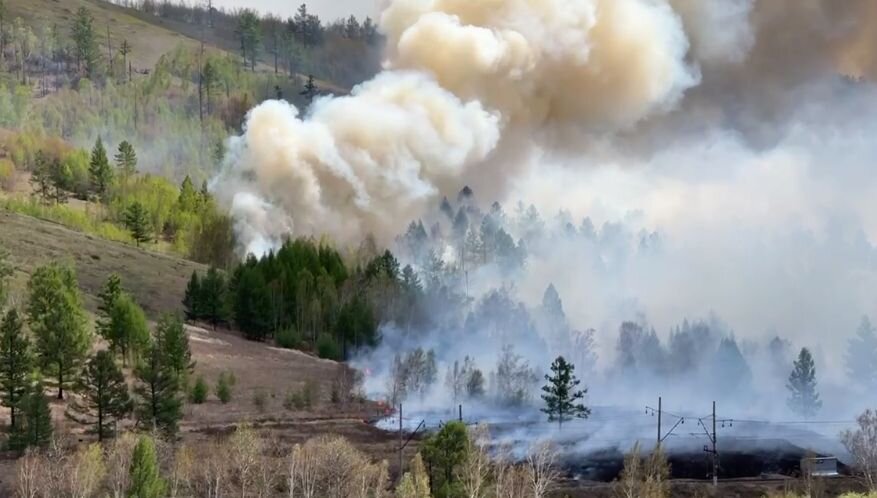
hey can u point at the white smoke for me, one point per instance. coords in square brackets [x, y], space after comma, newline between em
[725, 126]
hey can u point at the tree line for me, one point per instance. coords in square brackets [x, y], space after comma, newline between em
[305, 295]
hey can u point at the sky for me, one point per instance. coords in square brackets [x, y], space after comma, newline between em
[328, 10]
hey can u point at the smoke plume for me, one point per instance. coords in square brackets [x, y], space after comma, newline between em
[690, 157]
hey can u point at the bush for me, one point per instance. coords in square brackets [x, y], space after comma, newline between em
[288, 338]
[327, 348]
[199, 391]
[224, 386]
[7, 174]
[302, 399]
[260, 400]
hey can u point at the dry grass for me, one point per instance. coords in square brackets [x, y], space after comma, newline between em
[157, 281]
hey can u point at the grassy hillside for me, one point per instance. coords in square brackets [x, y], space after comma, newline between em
[157, 281]
[149, 40]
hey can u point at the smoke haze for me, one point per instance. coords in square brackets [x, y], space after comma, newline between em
[688, 159]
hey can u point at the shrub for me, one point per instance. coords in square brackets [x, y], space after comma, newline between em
[327, 348]
[224, 386]
[288, 338]
[7, 174]
[293, 401]
[260, 400]
[199, 391]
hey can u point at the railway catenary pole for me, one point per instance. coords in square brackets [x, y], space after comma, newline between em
[400, 441]
[715, 452]
[659, 422]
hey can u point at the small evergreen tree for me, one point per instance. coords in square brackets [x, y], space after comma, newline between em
[188, 200]
[34, 427]
[158, 404]
[100, 174]
[804, 399]
[199, 391]
[144, 477]
[57, 319]
[104, 393]
[137, 221]
[561, 395]
[192, 298]
[224, 385]
[16, 363]
[445, 451]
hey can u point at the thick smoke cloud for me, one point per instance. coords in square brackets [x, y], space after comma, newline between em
[723, 151]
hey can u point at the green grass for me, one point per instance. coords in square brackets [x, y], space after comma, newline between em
[69, 217]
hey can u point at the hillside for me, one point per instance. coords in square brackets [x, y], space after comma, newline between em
[157, 281]
[149, 40]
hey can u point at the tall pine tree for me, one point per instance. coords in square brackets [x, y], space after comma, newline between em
[107, 296]
[100, 175]
[561, 394]
[16, 363]
[176, 354]
[213, 297]
[804, 398]
[104, 393]
[192, 298]
[57, 319]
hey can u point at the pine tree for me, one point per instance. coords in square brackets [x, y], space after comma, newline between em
[128, 333]
[99, 172]
[561, 395]
[158, 404]
[104, 392]
[252, 304]
[177, 355]
[126, 160]
[34, 427]
[85, 42]
[16, 363]
[137, 221]
[861, 357]
[804, 399]
[144, 477]
[107, 296]
[213, 297]
[192, 299]
[57, 319]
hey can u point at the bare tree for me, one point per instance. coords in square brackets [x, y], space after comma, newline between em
[475, 470]
[862, 446]
[644, 477]
[31, 468]
[118, 463]
[85, 471]
[510, 480]
[330, 467]
[244, 452]
[182, 470]
[542, 469]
